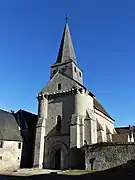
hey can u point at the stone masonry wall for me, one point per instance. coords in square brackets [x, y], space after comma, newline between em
[103, 156]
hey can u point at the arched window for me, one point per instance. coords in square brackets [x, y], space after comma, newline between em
[58, 124]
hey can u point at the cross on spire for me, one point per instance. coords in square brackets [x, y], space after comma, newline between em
[66, 50]
[66, 18]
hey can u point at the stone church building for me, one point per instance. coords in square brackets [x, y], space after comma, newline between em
[69, 117]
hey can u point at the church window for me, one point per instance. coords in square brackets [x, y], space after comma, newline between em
[58, 124]
[1, 144]
[80, 74]
[19, 145]
[59, 86]
[75, 69]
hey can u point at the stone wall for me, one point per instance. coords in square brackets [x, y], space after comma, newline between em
[10, 155]
[57, 106]
[103, 156]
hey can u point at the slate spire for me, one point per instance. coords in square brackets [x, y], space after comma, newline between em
[66, 50]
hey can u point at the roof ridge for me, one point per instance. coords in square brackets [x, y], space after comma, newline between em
[76, 82]
[99, 107]
[49, 82]
[27, 112]
[6, 111]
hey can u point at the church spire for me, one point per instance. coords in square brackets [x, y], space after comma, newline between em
[66, 50]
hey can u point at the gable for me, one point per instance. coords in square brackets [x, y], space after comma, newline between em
[59, 78]
[26, 119]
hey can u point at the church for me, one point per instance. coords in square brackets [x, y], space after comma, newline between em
[69, 118]
[69, 115]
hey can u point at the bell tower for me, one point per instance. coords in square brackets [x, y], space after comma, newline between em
[66, 60]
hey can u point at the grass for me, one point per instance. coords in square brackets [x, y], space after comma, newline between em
[75, 172]
[24, 172]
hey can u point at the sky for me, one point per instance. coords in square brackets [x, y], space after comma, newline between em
[103, 34]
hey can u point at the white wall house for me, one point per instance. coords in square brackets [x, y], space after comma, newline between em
[10, 141]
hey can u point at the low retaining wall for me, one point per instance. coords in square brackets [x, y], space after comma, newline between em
[103, 156]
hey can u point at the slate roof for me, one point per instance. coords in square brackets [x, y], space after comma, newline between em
[126, 130]
[65, 54]
[122, 130]
[100, 108]
[66, 50]
[9, 129]
[26, 120]
[123, 133]
[97, 105]
[91, 94]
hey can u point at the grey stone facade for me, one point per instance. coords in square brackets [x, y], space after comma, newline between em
[104, 156]
[68, 114]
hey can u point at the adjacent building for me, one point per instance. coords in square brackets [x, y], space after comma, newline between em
[17, 135]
